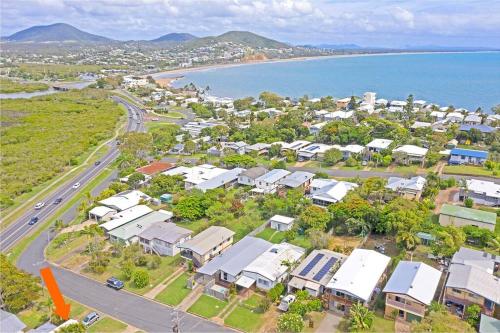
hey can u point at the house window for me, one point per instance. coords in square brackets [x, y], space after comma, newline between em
[263, 282]
[401, 314]
[339, 294]
[399, 299]
[224, 276]
[456, 291]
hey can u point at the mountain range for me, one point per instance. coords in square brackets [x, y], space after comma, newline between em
[65, 33]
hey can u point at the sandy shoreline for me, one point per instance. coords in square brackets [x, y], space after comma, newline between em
[169, 76]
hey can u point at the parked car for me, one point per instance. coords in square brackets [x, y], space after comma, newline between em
[39, 205]
[90, 319]
[33, 220]
[58, 201]
[285, 302]
[380, 248]
[114, 283]
[97, 163]
[76, 185]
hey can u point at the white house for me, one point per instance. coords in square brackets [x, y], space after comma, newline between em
[328, 191]
[101, 213]
[225, 180]
[455, 117]
[356, 279]
[369, 98]
[293, 146]
[125, 217]
[249, 176]
[125, 200]
[268, 269]
[281, 223]
[438, 115]
[163, 238]
[483, 192]
[195, 175]
[314, 151]
[316, 128]
[339, 115]
[377, 145]
[472, 119]
[411, 153]
[350, 150]
[268, 183]
[408, 188]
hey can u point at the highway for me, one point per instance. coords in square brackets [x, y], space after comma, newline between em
[20, 228]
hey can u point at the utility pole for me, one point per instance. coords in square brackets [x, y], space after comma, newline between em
[175, 322]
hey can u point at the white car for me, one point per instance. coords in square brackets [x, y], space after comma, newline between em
[286, 301]
[39, 205]
[77, 185]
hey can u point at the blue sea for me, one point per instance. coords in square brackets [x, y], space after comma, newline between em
[468, 80]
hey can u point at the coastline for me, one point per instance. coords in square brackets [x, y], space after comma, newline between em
[171, 76]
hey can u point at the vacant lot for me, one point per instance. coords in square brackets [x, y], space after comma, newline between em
[8, 86]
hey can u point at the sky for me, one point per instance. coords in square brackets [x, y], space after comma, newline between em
[385, 23]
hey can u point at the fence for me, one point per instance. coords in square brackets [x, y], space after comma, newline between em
[216, 291]
[259, 228]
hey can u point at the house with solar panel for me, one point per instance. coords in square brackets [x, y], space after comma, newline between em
[315, 271]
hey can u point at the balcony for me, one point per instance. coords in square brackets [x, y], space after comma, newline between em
[415, 309]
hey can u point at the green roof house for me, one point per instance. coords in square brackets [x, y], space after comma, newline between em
[462, 216]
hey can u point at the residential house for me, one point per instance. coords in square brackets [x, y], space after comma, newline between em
[281, 223]
[164, 238]
[10, 323]
[438, 115]
[155, 168]
[492, 120]
[467, 156]
[268, 269]
[370, 98]
[195, 175]
[177, 149]
[343, 102]
[352, 150]
[377, 145]
[236, 147]
[101, 213]
[293, 146]
[325, 192]
[483, 129]
[409, 188]
[356, 280]
[320, 114]
[206, 245]
[482, 192]
[195, 128]
[260, 148]
[224, 180]
[125, 217]
[462, 216]
[227, 267]
[410, 290]
[316, 128]
[298, 179]
[128, 233]
[473, 279]
[419, 124]
[473, 119]
[314, 151]
[315, 272]
[455, 117]
[125, 200]
[268, 183]
[249, 176]
[411, 154]
[339, 115]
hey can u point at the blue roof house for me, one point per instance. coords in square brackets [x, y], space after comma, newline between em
[467, 156]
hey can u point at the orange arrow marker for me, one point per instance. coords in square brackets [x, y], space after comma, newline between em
[62, 309]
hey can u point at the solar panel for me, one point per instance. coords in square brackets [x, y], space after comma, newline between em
[326, 267]
[311, 264]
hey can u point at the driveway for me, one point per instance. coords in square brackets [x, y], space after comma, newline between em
[329, 323]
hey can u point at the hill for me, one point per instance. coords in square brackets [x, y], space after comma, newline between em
[244, 38]
[174, 37]
[58, 32]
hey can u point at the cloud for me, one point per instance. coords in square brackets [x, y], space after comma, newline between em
[377, 22]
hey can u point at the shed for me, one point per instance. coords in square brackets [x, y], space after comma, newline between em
[167, 198]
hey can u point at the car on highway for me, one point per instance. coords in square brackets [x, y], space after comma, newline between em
[33, 220]
[76, 185]
[114, 283]
[58, 201]
[90, 319]
[39, 205]
[97, 163]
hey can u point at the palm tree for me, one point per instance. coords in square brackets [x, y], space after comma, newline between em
[408, 239]
[361, 317]
[494, 244]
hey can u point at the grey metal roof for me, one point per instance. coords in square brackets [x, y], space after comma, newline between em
[165, 231]
[489, 324]
[480, 259]
[414, 279]
[45, 328]
[254, 172]
[237, 257]
[475, 280]
[10, 323]
[273, 176]
[220, 180]
[296, 179]
[207, 239]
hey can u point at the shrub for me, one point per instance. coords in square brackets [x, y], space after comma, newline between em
[290, 322]
[468, 202]
[275, 292]
[128, 268]
[140, 278]
[154, 263]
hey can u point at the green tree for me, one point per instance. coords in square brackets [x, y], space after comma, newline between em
[274, 150]
[127, 268]
[242, 161]
[314, 217]
[332, 156]
[360, 317]
[136, 144]
[189, 146]
[140, 278]
[468, 202]
[271, 100]
[135, 179]
[473, 314]
[18, 289]
[290, 322]
[162, 184]
[72, 328]
[441, 321]
[448, 240]
[275, 292]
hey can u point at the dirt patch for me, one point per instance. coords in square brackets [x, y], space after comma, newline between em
[388, 242]
[445, 196]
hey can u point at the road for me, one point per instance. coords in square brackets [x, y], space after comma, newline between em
[20, 228]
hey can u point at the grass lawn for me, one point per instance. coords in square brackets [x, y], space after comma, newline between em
[272, 235]
[107, 324]
[245, 319]
[467, 170]
[406, 169]
[207, 306]
[158, 124]
[380, 325]
[175, 292]
[301, 241]
[56, 250]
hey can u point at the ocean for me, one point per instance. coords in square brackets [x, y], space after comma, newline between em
[468, 80]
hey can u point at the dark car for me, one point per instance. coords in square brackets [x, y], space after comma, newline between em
[57, 201]
[114, 283]
[90, 318]
[97, 163]
[33, 220]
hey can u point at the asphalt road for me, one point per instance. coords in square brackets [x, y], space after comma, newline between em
[20, 228]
